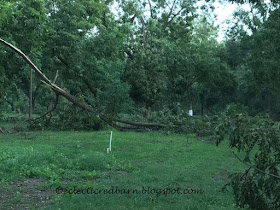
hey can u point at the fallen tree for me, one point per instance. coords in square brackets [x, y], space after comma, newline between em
[141, 124]
[130, 125]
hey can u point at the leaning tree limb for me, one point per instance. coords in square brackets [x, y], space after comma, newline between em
[141, 124]
[120, 128]
[111, 123]
[59, 91]
[255, 167]
[54, 87]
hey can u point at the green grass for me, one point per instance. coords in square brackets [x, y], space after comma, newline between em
[157, 160]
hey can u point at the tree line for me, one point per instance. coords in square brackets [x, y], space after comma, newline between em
[141, 58]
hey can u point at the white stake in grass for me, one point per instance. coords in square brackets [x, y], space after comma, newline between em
[110, 144]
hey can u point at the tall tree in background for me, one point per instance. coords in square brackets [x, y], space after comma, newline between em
[154, 52]
[254, 54]
[157, 25]
[23, 25]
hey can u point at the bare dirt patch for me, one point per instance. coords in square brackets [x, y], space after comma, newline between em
[25, 194]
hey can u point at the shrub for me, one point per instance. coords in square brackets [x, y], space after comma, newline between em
[258, 137]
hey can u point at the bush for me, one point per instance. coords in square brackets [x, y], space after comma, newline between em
[258, 137]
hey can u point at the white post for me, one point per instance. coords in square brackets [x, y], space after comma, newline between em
[191, 110]
[110, 141]
[110, 144]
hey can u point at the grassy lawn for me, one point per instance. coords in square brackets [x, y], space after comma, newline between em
[34, 164]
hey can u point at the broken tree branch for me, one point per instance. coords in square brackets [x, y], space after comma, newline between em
[92, 89]
[253, 166]
[118, 127]
[54, 87]
[48, 112]
[141, 124]
[76, 102]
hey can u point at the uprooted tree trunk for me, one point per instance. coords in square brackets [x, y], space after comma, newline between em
[137, 126]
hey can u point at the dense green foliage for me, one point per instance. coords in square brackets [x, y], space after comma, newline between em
[259, 138]
[255, 57]
[138, 61]
[151, 61]
[115, 62]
